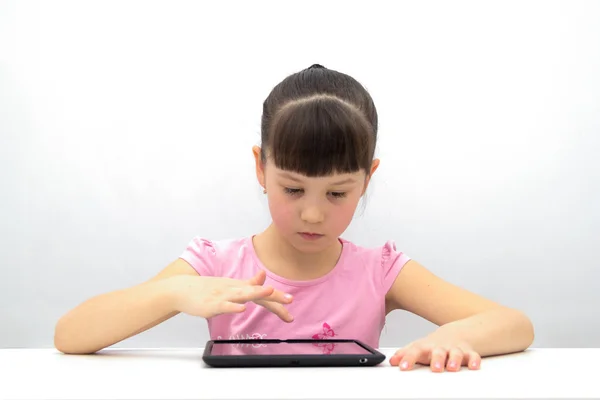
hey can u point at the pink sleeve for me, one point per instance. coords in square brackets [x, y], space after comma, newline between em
[392, 262]
[201, 255]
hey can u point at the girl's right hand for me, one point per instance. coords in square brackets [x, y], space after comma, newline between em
[206, 296]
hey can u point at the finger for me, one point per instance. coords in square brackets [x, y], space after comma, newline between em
[410, 357]
[244, 294]
[455, 359]
[399, 354]
[279, 297]
[227, 307]
[276, 309]
[438, 359]
[258, 279]
[472, 359]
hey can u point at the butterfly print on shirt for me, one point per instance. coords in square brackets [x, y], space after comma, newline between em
[327, 333]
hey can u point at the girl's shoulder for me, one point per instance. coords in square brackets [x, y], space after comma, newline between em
[207, 256]
[382, 262]
[385, 253]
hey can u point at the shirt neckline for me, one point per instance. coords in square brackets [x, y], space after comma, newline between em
[336, 269]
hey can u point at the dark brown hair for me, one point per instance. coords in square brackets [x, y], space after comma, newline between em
[317, 122]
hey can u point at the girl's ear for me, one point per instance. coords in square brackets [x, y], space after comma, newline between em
[374, 167]
[260, 168]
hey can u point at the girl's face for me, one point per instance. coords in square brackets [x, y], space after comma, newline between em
[311, 213]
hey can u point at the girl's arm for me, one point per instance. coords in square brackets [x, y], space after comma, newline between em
[115, 316]
[489, 328]
[112, 317]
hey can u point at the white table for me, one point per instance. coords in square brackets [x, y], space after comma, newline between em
[181, 374]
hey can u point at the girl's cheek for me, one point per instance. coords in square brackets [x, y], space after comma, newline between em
[281, 210]
[346, 214]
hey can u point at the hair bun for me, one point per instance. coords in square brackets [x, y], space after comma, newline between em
[316, 66]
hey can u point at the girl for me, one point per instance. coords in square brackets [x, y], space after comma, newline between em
[298, 278]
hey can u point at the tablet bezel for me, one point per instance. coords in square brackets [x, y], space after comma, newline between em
[292, 360]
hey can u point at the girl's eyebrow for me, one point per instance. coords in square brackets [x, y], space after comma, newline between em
[295, 179]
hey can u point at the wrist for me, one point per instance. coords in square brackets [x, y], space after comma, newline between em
[449, 332]
[168, 290]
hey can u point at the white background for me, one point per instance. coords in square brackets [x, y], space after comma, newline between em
[126, 129]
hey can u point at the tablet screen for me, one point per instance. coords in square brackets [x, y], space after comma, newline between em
[284, 348]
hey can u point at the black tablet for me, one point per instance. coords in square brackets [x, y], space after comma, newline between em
[290, 353]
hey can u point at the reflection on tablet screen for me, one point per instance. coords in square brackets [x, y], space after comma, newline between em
[244, 349]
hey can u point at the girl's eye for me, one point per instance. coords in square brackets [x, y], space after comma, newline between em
[292, 191]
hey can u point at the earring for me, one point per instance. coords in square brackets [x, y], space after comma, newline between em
[265, 191]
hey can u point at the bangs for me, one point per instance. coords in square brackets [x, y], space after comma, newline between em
[320, 136]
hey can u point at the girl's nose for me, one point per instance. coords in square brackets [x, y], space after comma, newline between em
[312, 215]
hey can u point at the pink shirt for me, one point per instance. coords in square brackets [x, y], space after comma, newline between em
[347, 303]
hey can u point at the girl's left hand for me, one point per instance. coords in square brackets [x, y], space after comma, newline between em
[438, 351]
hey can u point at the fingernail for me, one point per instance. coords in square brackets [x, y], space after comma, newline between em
[287, 296]
[438, 365]
[452, 364]
[474, 364]
[404, 365]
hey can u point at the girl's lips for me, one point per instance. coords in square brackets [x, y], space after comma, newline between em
[310, 236]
